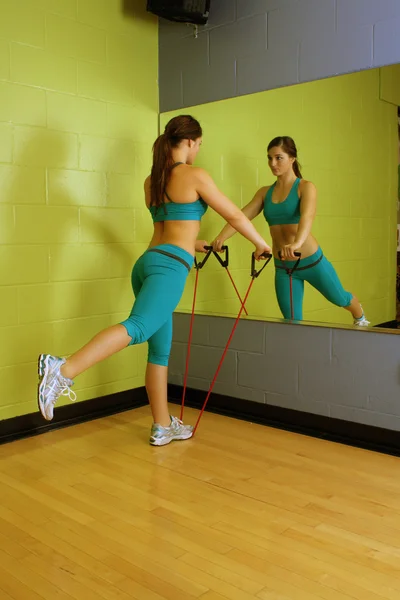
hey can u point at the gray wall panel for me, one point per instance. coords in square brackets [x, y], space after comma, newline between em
[327, 54]
[253, 45]
[346, 374]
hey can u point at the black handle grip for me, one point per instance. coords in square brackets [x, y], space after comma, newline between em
[298, 254]
[289, 270]
[200, 265]
[223, 262]
[254, 273]
[211, 248]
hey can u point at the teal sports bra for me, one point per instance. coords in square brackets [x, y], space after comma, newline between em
[174, 211]
[286, 212]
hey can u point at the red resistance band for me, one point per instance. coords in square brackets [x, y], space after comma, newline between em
[290, 271]
[254, 274]
[199, 265]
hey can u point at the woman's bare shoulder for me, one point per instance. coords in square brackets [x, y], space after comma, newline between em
[305, 183]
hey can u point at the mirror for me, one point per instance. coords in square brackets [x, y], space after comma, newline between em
[346, 129]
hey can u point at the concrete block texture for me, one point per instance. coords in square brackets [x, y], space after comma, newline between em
[345, 374]
[250, 46]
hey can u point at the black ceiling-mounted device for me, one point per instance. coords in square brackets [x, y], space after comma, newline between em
[181, 11]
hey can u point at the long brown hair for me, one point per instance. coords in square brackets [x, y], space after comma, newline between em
[289, 146]
[183, 127]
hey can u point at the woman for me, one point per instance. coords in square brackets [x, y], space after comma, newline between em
[289, 207]
[177, 195]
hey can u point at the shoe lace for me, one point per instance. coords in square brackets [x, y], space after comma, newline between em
[66, 391]
[177, 423]
[59, 387]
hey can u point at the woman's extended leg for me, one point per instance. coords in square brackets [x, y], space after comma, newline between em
[163, 282]
[325, 279]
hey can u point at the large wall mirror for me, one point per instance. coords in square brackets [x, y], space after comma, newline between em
[346, 129]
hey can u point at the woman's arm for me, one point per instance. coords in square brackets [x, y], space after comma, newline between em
[308, 207]
[207, 189]
[251, 211]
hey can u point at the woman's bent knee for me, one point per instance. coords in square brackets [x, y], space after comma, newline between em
[134, 331]
[158, 359]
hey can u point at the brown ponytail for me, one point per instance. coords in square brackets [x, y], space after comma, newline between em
[289, 146]
[162, 162]
[296, 169]
[183, 127]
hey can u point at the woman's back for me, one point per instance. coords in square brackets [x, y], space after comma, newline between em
[177, 217]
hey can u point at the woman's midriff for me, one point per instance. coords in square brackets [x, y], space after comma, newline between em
[178, 233]
[282, 235]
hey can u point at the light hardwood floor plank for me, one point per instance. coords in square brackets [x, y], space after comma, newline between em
[94, 512]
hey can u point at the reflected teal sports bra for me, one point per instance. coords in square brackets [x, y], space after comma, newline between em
[286, 212]
[174, 211]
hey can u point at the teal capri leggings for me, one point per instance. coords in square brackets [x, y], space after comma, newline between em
[322, 276]
[158, 280]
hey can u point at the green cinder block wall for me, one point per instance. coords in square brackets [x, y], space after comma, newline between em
[78, 115]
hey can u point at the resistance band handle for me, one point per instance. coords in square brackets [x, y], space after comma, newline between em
[296, 254]
[200, 265]
[254, 273]
[223, 262]
[290, 271]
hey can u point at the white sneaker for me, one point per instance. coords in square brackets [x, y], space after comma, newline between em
[52, 385]
[160, 436]
[362, 321]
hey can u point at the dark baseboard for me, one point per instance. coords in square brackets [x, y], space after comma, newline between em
[376, 439]
[71, 414]
[389, 325]
[345, 432]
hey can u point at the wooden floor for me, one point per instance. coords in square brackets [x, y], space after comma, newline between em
[240, 512]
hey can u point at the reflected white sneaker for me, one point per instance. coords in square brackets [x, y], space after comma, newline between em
[160, 436]
[52, 384]
[362, 321]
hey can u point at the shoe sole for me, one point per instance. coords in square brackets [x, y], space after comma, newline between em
[164, 443]
[42, 372]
